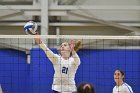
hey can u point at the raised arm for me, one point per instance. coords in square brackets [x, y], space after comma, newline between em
[52, 57]
[76, 58]
[74, 54]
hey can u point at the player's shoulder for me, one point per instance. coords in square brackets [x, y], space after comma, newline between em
[127, 86]
[114, 87]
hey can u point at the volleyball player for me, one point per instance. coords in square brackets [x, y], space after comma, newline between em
[65, 66]
[121, 86]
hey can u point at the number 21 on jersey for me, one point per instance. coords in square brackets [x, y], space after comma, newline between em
[64, 70]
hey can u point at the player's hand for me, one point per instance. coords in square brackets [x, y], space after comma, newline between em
[38, 38]
[77, 45]
[36, 33]
[72, 45]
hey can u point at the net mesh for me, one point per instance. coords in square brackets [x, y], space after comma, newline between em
[25, 68]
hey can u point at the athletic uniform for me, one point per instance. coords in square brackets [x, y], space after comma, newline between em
[65, 71]
[123, 88]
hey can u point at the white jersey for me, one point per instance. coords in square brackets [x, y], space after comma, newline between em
[123, 88]
[65, 71]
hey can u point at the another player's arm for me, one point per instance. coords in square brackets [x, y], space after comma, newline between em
[48, 52]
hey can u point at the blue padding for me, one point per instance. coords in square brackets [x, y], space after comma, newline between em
[13, 71]
[97, 67]
[41, 75]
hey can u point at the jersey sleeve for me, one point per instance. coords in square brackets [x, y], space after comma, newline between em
[113, 90]
[129, 90]
[52, 56]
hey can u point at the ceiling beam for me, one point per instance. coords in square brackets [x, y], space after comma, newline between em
[94, 7]
[50, 13]
[16, 2]
[11, 14]
[88, 24]
[20, 7]
[71, 7]
[8, 23]
[67, 2]
[104, 22]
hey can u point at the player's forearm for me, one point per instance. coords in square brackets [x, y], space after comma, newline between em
[40, 43]
[46, 49]
[76, 57]
[38, 39]
[48, 52]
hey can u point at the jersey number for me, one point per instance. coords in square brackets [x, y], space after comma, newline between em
[64, 70]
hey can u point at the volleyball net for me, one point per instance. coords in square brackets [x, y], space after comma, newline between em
[24, 67]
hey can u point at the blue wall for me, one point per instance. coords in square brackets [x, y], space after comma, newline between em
[14, 71]
[97, 66]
